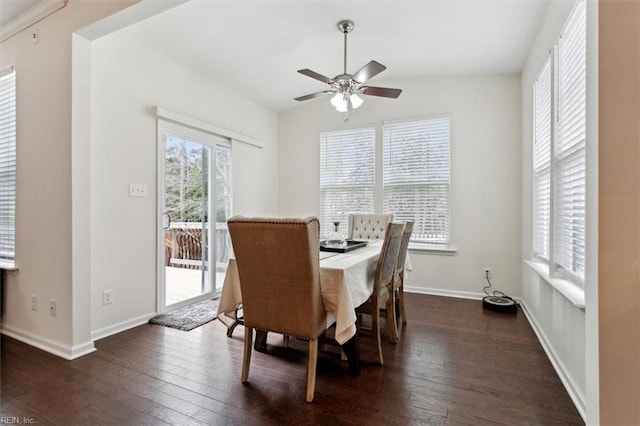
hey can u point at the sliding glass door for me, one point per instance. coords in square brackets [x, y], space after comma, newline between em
[194, 205]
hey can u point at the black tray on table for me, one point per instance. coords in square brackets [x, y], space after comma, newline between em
[351, 245]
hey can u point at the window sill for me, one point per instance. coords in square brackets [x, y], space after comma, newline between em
[568, 289]
[8, 266]
[432, 249]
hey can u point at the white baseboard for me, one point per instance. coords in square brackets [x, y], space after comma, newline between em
[56, 348]
[442, 292]
[567, 380]
[120, 327]
[450, 293]
[72, 352]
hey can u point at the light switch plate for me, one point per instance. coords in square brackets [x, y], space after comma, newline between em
[137, 190]
[107, 297]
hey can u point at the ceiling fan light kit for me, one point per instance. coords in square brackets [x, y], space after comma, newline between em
[346, 87]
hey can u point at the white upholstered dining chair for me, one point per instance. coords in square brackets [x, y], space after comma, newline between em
[398, 277]
[383, 293]
[368, 226]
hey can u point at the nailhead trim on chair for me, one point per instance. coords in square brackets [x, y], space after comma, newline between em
[368, 229]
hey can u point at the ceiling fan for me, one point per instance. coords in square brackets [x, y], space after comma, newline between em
[346, 87]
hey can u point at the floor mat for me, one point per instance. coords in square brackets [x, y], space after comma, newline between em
[188, 317]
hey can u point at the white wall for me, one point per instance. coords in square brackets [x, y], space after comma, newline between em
[485, 173]
[559, 324]
[128, 79]
[44, 179]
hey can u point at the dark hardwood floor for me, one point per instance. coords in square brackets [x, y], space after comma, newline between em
[455, 364]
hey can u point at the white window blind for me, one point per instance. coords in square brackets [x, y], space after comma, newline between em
[7, 165]
[542, 162]
[559, 170]
[416, 157]
[347, 176]
[569, 147]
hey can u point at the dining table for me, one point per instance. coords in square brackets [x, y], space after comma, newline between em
[346, 281]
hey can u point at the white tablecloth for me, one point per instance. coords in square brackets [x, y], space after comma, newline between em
[346, 281]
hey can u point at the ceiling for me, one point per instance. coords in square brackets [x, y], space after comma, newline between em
[256, 47]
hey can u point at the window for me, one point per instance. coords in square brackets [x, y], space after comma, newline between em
[569, 146]
[416, 176]
[542, 162]
[347, 176]
[560, 113]
[7, 167]
[414, 170]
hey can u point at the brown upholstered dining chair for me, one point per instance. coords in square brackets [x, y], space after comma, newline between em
[383, 288]
[398, 277]
[279, 271]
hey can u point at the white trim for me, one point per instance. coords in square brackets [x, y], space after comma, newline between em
[432, 249]
[6, 265]
[420, 118]
[350, 126]
[55, 348]
[446, 293]
[592, 361]
[176, 117]
[160, 235]
[7, 70]
[565, 376]
[567, 288]
[31, 16]
[121, 326]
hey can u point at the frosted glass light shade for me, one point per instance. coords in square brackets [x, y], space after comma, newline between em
[339, 101]
[356, 101]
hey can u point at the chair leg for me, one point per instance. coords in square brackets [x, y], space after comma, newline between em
[311, 371]
[285, 340]
[246, 359]
[392, 325]
[401, 297]
[375, 329]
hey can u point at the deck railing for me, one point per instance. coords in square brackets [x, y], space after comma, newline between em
[185, 247]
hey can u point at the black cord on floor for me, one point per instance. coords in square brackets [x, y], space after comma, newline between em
[496, 293]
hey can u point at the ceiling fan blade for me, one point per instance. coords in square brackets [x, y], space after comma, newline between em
[385, 92]
[315, 75]
[313, 95]
[372, 69]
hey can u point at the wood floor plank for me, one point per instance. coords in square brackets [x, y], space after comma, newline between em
[455, 364]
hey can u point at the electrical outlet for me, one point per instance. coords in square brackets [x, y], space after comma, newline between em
[107, 297]
[52, 308]
[137, 190]
[34, 302]
[487, 272]
[35, 36]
